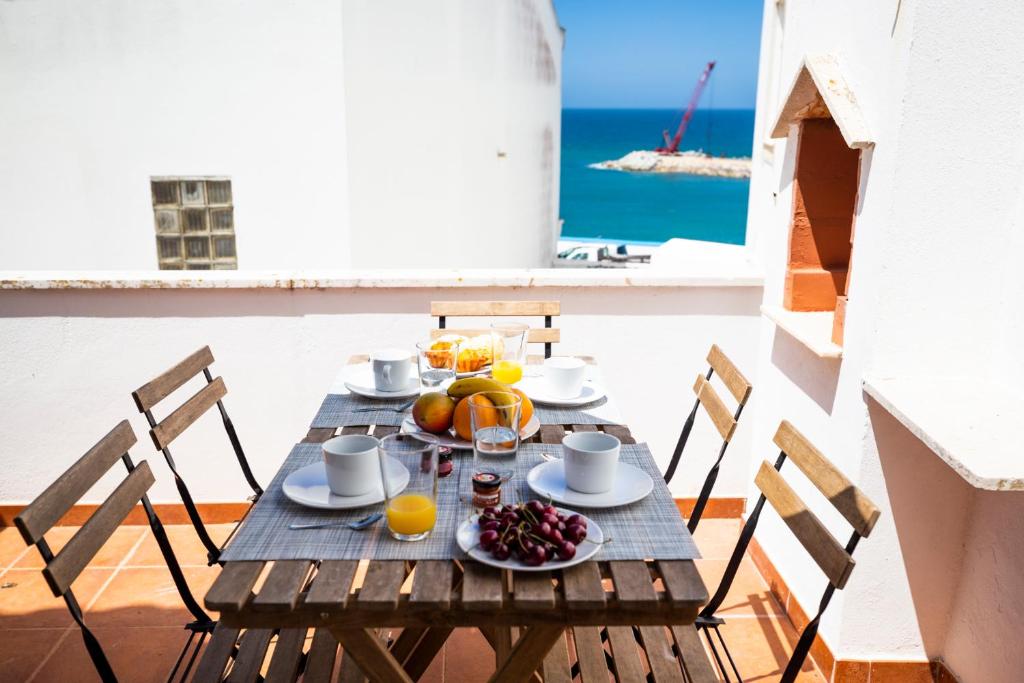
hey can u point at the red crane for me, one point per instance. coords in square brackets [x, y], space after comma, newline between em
[672, 146]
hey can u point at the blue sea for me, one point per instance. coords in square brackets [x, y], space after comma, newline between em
[651, 207]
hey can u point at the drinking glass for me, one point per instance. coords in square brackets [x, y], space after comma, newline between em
[437, 367]
[412, 513]
[494, 420]
[508, 351]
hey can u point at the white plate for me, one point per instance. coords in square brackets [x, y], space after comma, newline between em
[468, 536]
[536, 389]
[631, 484]
[308, 486]
[359, 380]
[451, 440]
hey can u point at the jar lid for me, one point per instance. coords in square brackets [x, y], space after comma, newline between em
[486, 480]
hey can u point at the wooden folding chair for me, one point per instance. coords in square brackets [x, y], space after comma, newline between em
[470, 309]
[724, 421]
[171, 427]
[835, 560]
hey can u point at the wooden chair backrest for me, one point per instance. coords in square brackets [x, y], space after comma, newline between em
[474, 309]
[156, 390]
[723, 418]
[849, 501]
[47, 509]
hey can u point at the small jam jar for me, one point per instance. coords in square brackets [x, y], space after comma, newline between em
[445, 463]
[486, 490]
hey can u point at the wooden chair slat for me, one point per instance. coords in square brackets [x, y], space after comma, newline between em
[556, 663]
[849, 500]
[719, 414]
[590, 654]
[280, 590]
[620, 432]
[696, 663]
[332, 584]
[633, 585]
[730, 375]
[496, 308]
[626, 653]
[233, 586]
[582, 586]
[552, 434]
[156, 390]
[371, 654]
[382, 584]
[322, 654]
[664, 665]
[188, 412]
[215, 657]
[251, 652]
[530, 649]
[533, 590]
[683, 582]
[535, 335]
[87, 541]
[432, 583]
[822, 546]
[60, 496]
[481, 587]
[350, 671]
[284, 664]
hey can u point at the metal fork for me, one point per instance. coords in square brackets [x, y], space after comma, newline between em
[400, 409]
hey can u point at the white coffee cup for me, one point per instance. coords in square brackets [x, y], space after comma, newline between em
[564, 376]
[352, 464]
[391, 369]
[591, 460]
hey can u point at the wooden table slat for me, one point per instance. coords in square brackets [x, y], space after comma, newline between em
[533, 590]
[582, 586]
[552, 433]
[633, 585]
[682, 582]
[621, 432]
[590, 654]
[380, 431]
[432, 584]
[318, 434]
[695, 658]
[382, 584]
[481, 587]
[356, 429]
[280, 590]
[626, 653]
[664, 665]
[233, 586]
[584, 428]
[332, 584]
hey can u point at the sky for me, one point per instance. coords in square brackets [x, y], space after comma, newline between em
[649, 53]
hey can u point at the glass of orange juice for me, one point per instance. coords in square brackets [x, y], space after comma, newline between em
[411, 512]
[508, 351]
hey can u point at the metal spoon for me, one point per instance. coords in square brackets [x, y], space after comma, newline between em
[358, 525]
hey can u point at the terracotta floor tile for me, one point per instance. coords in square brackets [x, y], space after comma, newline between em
[109, 556]
[11, 546]
[716, 538]
[138, 655]
[22, 650]
[30, 603]
[900, 672]
[749, 593]
[186, 544]
[148, 597]
[762, 646]
[467, 657]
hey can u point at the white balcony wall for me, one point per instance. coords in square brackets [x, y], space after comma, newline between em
[100, 96]
[70, 358]
[454, 128]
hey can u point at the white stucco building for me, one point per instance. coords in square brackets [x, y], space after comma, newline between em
[353, 133]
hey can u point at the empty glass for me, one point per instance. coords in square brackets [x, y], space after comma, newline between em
[494, 420]
[437, 366]
[508, 344]
[412, 512]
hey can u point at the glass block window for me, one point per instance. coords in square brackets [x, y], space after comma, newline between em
[195, 223]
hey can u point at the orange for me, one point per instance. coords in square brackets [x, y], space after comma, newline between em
[461, 419]
[526, 412]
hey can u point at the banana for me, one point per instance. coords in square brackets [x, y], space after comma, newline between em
[461, 388]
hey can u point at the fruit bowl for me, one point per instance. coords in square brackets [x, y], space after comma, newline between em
[468, 538]
[452, 440]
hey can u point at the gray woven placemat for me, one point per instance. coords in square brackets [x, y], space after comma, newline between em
[338, 410]
[649, 529]
[590, 414]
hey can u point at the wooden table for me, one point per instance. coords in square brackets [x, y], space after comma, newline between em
[523, 615]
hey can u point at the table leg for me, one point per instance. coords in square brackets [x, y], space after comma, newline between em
[426, 650]
[371, 655]
[531, 648]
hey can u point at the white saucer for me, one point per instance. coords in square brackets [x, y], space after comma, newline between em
[452, 440]
[631, 484]
[308, 486]
[359, 380]
[468, 538]
[536, 389]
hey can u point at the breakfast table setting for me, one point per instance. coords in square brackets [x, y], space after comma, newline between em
[467, 485]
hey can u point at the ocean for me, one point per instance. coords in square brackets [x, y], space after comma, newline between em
[651, 207]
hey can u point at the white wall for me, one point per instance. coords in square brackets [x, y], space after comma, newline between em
[99, 96]
[934, 289]
[70, 358]
[454, 121]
